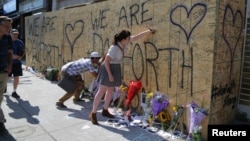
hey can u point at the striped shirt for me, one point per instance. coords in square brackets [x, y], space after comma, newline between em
[79, 66]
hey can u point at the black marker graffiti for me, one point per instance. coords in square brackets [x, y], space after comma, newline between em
[230, 101]
[135, 62]
[33, 26]
[150, 61]
[202, 15]
[99, 22]
[48, 24]
[43, 52]
[170, 63]
[123, 15]
[134, 11]
[187, 66]
[219, 91]
[69, 28]
[235, 24]
[103, 45]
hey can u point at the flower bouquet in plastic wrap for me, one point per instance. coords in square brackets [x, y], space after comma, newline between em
[197, 114]
[159, 104]
[158, 116]
[133, 89]
[118, 97]
[147, 118]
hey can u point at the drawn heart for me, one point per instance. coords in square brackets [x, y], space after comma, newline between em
[188, 34]
[70, 29]
[234, 26]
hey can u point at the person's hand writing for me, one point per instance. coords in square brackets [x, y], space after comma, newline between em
[151, 29]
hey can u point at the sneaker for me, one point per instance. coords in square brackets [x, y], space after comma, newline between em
[15, 95]
[61, 105]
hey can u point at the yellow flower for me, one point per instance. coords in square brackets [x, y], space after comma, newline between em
[123, 88]
[150, 119]
[149, 95]
[175, 108]
[164, 117]
[148, 98]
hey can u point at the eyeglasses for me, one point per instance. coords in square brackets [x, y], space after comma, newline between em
[92, 58]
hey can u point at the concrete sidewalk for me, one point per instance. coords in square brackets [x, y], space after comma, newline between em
[34, 117]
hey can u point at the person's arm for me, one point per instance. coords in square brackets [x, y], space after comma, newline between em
[23, 53]
[94, 74]
[10, 53]
[141, 34]
[23, 50]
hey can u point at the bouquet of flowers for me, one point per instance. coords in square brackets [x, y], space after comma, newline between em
[148, 99]
[197, 114]
[118, 96]
[159, 103]
[133, 89]
[196, 134]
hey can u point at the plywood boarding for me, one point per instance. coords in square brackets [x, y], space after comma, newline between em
[185, 59]
[227, 63]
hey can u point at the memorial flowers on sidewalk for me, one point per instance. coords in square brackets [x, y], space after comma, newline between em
[119, 95]
[133, 89]
[148, 117]
[196, 134]
[119, 92]
[197, 114]
[159, 103]
[159, 112]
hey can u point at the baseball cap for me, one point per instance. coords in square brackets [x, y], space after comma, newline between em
[95, 55]
[14, 31]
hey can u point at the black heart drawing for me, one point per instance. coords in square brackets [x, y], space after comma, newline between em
[235, 26]
[188, 14]
[232, 47]
[73, 28]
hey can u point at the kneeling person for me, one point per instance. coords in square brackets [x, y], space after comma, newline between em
[75, 69]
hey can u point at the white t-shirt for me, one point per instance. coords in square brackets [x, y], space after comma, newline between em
[116, 54]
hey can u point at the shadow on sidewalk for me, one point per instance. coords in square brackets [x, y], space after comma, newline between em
[6, 137]
[80, 114]
[21, 109]
[142, 135]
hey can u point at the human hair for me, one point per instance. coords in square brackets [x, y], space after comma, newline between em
[120, 36]
[4, 18]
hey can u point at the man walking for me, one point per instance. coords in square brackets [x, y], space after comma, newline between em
[5, 61]
[18, 54]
